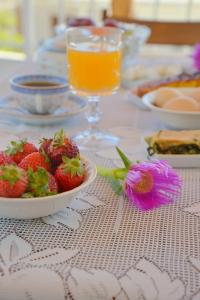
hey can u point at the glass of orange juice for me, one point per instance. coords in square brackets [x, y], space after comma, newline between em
[94, 62]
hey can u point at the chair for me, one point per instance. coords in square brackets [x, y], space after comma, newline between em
[176, 33]
[122, 8]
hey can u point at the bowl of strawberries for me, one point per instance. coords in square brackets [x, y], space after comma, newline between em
[39, 181]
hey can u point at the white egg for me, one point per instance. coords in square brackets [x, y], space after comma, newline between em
[163, 95]
[182, 103]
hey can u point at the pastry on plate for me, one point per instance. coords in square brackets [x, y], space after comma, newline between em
[174, 142]
[182, 80]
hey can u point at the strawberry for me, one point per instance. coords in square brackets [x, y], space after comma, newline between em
[41, 183]
[58, 147]
[45, 144]
[5, 159]
[13, 181]
[19, 150]
[34, 161]
[70, 174]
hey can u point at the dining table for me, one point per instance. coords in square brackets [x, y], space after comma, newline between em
[101, 246]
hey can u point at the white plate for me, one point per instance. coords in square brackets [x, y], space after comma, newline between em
[180, 160]
[20, 208]
[175, 160]
[72, 105]
[173, 119]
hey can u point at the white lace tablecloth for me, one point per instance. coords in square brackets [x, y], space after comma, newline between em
[101, 247]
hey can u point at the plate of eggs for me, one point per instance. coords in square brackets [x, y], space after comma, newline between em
[176, 107]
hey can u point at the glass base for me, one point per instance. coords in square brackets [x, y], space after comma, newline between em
[95, 140]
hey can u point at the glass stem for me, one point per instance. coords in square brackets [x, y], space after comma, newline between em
[93, 113]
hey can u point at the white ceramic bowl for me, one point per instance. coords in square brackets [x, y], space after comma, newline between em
[173, 119]
[38, 99]
[30, 208]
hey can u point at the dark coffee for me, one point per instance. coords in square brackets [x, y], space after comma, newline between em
[40, 84]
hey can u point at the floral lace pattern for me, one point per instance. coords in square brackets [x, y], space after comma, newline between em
[144, 280]
[72, 216]
[101, 247]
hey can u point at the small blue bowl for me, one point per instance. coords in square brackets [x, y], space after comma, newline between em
[39, 94]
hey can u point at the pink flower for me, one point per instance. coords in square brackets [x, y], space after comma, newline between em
[152, 184]
[196, 57]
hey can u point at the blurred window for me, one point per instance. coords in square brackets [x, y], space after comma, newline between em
[167, 10]
[40, 16]
[11, 37]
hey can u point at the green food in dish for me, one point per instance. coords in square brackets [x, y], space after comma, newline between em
[174, 142]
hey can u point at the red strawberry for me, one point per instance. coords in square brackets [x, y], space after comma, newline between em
[19, 150]
[58, 147]
[34, 161]
[5, 159]
[53, 186]
[13, 181]
[45, 144]
[41, 183]
[70, 174]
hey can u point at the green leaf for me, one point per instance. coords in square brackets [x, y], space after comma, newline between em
[124, 158]
[113, 176]
[116, 176]
[116, 185]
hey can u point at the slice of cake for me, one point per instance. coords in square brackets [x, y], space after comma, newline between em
[174, 142]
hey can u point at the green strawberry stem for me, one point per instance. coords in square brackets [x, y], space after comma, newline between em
[73, 165]
[11, 173]
[15, 147]
[59, 138]
[38, 184]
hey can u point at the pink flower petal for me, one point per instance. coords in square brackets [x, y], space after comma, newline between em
[162, 189]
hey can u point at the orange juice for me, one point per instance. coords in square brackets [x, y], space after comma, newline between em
[94, 72]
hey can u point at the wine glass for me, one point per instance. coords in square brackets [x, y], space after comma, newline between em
[94, 62]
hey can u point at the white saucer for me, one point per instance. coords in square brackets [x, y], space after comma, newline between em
[72, 106]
